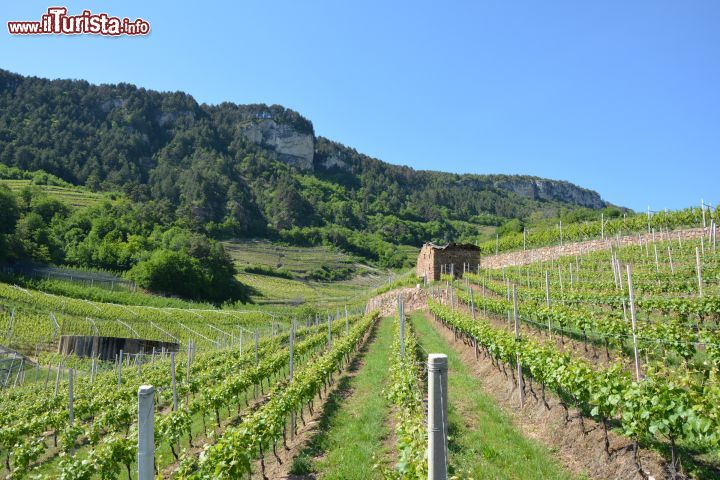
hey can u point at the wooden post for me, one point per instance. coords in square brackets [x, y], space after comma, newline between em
[631, 292]
[672, 267]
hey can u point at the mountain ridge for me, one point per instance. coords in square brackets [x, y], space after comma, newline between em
[249, 170]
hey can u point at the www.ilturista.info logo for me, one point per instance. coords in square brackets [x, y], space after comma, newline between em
[57, 22]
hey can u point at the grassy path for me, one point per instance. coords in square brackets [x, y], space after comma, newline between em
[483, 442]
[353, 427]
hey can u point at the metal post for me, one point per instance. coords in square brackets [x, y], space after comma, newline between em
[173, 381]
[657, 262]
[632, 319]
[146, 433]
[57, 379]
[291, 372]
[402, 329]
[71, 399]
[699, 271]
[92, 370]
[521, 390]
[472, 303]
[437, 416]
[119, 373]
[561, 235]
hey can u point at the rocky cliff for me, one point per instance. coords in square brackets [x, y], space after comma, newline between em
[536, 188]
[287, 143]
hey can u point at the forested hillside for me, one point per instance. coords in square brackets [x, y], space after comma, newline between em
[224, 171]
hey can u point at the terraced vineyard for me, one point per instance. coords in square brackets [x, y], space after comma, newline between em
[73, 197]
[635, 348]
[558, 369]
[97, 435]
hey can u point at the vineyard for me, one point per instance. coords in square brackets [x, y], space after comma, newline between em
[629, 337]
[601, 365]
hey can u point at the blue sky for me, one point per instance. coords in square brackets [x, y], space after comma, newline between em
[621, 97]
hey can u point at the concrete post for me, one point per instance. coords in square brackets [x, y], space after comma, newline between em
[146, 433]
[437, 416]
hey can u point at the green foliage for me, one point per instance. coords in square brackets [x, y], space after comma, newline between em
[328, 274]
[511, 226]
[195, 274]
[266, 270]
[302, 465]
[194, 164]
[9, 212]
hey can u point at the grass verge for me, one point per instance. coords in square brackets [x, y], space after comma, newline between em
[483, 443]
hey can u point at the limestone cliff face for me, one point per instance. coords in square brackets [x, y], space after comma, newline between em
[288, 144]
[549, 190]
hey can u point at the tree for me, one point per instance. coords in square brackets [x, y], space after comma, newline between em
[9, 212]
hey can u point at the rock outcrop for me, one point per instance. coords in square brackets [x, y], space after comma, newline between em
[549, 190]
[289, 145]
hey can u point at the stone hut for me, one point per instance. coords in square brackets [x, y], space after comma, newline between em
[453, 257]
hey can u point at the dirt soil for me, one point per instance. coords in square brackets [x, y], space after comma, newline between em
[579, 446]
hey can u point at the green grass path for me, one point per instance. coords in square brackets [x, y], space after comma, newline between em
[354, 426]
[483, 442]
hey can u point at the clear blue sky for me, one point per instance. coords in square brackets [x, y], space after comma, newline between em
[621, 97]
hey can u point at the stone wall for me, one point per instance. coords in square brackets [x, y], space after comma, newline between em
[546, 254]
[413, 299]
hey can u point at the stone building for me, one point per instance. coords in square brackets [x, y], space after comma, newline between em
[453, 257]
